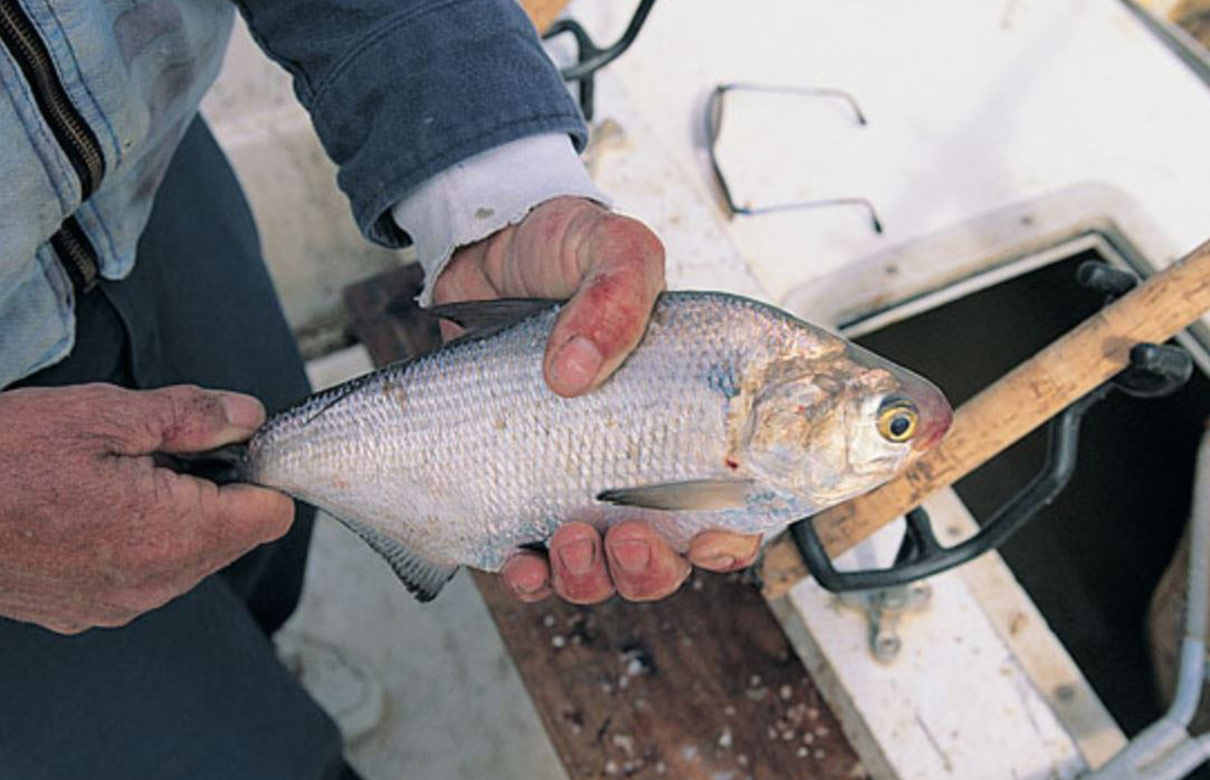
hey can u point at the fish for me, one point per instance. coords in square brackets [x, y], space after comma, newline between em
[730, 414]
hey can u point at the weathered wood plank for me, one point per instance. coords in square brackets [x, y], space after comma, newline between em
[543, 12]
[379, 314]
[703, 685]
[1014, 406]
[700, 685]
[1194, 17]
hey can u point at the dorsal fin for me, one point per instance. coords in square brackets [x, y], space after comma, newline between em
[483, 318]
[480, 319]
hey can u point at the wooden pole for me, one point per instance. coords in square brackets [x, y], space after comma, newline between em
[1015, 405]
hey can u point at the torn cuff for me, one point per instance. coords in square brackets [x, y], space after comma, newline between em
[482, 194]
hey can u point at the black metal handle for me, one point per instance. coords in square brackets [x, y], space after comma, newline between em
[1155, 370]
[921, 555]
[590, 58]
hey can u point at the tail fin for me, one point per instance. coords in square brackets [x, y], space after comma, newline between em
[223, 466]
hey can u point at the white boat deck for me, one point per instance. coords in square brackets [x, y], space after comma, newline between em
[995, 126]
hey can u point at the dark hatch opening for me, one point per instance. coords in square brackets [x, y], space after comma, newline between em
[1091, 560]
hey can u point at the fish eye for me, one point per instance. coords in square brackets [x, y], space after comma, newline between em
[897, 420]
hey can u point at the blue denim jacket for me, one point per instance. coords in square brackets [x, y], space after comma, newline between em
[398, 90]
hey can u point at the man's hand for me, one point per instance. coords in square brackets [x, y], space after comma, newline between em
[91, 532]
[611, 267]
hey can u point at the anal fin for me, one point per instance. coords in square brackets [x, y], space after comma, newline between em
[696, 495]
[423, 578]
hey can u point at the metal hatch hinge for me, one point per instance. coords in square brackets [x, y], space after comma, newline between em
[884, 608]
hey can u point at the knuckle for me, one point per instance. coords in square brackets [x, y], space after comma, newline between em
[188, 412]
[129, 603]
[173, 539]
[116, 619]
[448, 284]
[103, 413]
[93, 394]
[65, 628]
[632, 242]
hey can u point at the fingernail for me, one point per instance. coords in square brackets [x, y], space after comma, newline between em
[576, 364]
[522, 579]
[527, 588]
[722, 561]
[578, 557]
[633, 556]
[243, 411]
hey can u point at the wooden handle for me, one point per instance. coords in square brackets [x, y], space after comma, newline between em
[1015, 405]
[543, 12]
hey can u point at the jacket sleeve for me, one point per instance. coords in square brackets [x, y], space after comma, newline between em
[399, 90]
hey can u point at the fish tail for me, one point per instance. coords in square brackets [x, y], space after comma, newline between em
[226, 465]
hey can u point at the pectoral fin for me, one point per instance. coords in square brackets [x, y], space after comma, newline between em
[697, 495]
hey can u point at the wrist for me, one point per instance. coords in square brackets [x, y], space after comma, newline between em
[484, 195]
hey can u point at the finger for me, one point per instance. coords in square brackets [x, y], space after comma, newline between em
[463, 278]
[642, 565]
[243, 518]
[65, 628]
[249, 515]
[184, 418]
[81, 606]
[723, 551]
[182, 528]
[578, 566]
[76, 618]
[100, 617]
[52, 616]
[623, 272]
[107, 614]
[527, 575]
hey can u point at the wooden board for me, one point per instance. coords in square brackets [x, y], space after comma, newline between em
[702, 685]
[1014, 406]
[1191, 15]
[543, 12]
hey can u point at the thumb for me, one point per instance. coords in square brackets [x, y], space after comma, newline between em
[623, 265]
[185, 418]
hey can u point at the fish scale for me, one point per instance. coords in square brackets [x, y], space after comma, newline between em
[464, 455]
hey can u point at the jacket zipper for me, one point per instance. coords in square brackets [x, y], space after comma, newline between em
[20, 37]
[76, 254]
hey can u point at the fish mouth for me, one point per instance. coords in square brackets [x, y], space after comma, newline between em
[939, 417]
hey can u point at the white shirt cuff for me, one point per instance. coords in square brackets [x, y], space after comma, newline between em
[482, 194]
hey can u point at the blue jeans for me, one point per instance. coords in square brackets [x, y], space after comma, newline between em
[193, 689]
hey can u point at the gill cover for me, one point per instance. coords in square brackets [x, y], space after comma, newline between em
[789, 419]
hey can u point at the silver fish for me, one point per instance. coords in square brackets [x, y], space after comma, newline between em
[730, 414]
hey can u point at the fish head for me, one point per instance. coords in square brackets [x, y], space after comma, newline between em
[831, 428]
